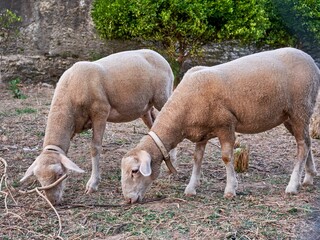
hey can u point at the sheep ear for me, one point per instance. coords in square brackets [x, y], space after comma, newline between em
[145, 163]
[70, 165]
[29, 172]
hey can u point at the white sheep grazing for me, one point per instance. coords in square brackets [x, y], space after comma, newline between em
[119, 88]
[249, 95]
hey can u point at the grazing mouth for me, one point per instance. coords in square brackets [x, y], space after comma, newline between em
[54, 201]
[133, 200]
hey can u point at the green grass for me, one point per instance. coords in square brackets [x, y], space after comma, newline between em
[40, 134]
[4, 114]
[87, 134]
[25, 111]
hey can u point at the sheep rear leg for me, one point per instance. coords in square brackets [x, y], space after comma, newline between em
[98, 127]
[310, 170]
[227, 143]
[304, 157]
[196, 170]
[148, 118]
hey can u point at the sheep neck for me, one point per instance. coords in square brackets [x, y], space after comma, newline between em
[59, 128]
[169, 138]
[169, 130]
[163, 150]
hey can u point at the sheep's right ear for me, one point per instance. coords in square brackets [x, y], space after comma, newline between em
[70, 165]
[29, 172]
[145, 163]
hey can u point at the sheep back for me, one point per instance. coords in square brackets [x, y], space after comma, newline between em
[251, 94]
[124, 85]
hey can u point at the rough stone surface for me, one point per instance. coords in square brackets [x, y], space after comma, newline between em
[55, 27]
[53, 35]
[34, 68]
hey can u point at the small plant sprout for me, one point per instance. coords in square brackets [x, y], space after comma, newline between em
[14, 87]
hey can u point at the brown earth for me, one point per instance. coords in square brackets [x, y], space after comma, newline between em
[261, 210]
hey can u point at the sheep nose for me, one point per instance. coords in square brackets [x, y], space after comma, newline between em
[129, 200]
[53, 202]
[52, 199]
[132, 200]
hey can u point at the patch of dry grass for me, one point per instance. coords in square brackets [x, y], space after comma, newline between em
[260, 211]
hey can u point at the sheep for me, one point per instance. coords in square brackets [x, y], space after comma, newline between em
[118, 88]
[249, 95]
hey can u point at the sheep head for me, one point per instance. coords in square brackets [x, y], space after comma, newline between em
[48, 167]
[137, 175]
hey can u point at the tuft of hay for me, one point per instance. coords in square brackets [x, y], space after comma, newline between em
[315, 127]
[241, 158]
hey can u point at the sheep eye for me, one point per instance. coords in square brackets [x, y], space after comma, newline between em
[135, 171]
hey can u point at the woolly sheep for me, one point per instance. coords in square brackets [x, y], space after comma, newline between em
[249, 95]
[119, 88]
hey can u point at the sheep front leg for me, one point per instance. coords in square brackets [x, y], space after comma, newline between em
[98, 128]
[196, 171]
[227, 157]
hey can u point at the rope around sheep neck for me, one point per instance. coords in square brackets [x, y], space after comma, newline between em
[163, 150]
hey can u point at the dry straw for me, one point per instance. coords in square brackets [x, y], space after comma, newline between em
[241, 158]
[315, 127]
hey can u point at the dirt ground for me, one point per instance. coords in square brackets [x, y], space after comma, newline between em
[261, 210]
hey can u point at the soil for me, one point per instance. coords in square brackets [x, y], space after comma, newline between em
[261, 209]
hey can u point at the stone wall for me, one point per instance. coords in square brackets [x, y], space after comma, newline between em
[53, 35]
[54, 27]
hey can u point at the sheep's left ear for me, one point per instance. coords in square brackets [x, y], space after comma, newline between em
[29, 172]
[70, 165]
[145, 163]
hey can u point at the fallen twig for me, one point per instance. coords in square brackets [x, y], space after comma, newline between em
[92, 206]
[38, 189]
[45, 187]
[110, 205]
[4, 179]
[56, 212]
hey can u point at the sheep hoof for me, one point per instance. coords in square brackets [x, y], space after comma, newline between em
[292, 193]
[291, 190]
[90, 190]
[308, 178]
[229, 195]
[307, 183]
[190, 192]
